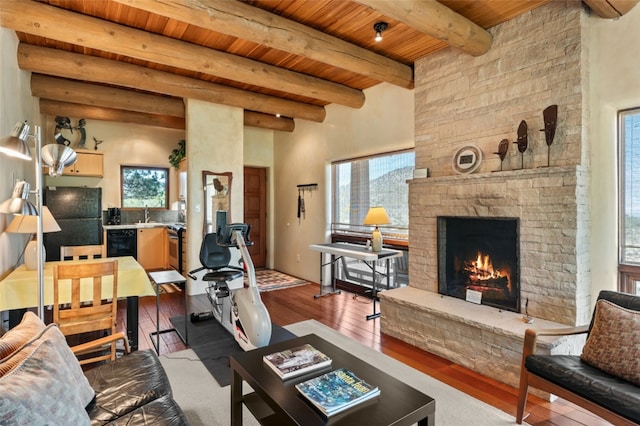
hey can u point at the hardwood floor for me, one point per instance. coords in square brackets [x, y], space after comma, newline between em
[346, 313]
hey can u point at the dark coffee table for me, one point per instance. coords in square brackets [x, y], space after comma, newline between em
[275, 402]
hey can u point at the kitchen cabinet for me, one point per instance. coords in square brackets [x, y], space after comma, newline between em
[152, 248]
[90, 163]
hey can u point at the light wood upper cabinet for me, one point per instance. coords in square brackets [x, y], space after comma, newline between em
[90, 163]
[152, 248]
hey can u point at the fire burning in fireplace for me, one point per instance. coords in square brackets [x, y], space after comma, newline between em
[493, 283]
[481, 273]
[479, 254]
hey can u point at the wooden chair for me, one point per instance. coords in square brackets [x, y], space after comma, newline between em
[573, 380]
[82, 252]
[94, 315]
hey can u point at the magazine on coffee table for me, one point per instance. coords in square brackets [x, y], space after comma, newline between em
[297, 361]
[336, 391]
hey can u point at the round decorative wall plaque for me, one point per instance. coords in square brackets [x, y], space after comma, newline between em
[467, 159]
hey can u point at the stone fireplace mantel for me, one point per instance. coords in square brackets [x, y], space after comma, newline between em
[551, 205]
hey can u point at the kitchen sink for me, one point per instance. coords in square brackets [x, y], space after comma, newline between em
[149, 225]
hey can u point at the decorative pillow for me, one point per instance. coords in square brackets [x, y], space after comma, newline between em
[613, 345]
[41, 391]
[68, 365]
[13, 339]
[17, 356]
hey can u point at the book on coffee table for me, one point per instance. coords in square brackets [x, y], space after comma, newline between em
[297, 361]
[336, 391]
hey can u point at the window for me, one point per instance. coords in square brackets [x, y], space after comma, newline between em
[629, 211]
[372, 181]
[144, 187]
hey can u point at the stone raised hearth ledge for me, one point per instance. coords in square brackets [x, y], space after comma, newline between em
[484, 339]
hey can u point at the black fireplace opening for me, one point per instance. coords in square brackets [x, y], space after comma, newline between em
[482, 255]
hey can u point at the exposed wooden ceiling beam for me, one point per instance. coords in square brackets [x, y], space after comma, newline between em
[266, 121]
[72, 91]
[76, 66]
[46, 21]
[59, 96]
[611, 9]
[438, 21]
[67, 109]
[254, 24]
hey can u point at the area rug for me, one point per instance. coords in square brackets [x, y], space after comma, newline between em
[204, 402]
[213, 345]
[269, 280]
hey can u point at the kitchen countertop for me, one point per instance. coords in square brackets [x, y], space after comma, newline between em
[136, 225]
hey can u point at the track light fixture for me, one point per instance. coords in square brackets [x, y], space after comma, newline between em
[379, 27]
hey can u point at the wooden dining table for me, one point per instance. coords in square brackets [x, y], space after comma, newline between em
[19, 290]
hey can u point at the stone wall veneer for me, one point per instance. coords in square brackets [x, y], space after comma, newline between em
[551, 205]
[536, 60]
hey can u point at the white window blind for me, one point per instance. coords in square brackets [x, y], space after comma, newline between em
[630, 186]
[380, 180]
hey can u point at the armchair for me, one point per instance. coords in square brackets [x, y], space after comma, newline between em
[593, 385]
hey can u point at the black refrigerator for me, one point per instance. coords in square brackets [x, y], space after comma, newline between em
[78, 211]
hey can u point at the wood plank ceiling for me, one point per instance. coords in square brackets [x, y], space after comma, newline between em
[135, 60]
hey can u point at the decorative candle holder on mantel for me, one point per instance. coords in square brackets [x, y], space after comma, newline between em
[550, 116]
[503, 147]
[523, 141]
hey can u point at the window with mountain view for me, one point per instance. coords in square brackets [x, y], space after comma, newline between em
[372, 181]
[629, 211]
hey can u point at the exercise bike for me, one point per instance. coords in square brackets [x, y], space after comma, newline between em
[237, 308]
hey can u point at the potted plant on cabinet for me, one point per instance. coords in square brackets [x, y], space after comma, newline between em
[178, 154]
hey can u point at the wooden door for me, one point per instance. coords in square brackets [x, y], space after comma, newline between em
[255, 212]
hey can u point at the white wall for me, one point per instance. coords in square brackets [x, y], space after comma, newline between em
[385, 123]
[123, 144]
[16, 104]
[614, 67]
[215, 143]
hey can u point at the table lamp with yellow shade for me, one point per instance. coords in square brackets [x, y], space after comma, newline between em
[27, 224]
[376, 216]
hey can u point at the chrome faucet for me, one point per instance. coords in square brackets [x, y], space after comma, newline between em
[146, 214]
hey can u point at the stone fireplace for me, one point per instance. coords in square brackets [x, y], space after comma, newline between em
[550, 206]
[478, 260]
[536, 60]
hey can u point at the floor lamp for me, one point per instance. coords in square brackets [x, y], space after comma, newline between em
[57, 157]
[27, 224]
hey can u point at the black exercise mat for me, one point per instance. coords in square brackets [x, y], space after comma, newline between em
[214, 344]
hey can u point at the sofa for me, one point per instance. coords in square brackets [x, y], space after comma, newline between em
[42, 382]
[605, 378]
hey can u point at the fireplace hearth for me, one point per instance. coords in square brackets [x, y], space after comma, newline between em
[480, 255]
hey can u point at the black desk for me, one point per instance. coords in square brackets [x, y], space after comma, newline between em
[279, 403]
